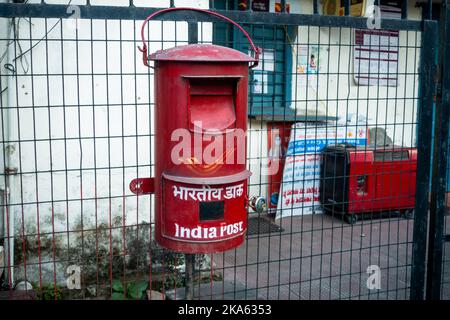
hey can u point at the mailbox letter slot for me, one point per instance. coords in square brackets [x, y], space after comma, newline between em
[212, 103]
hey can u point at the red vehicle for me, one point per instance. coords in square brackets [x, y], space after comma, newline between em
[359, 180]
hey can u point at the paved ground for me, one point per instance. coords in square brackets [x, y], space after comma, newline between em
[320, 257]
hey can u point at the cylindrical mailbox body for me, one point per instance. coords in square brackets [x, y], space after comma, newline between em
[200, 155]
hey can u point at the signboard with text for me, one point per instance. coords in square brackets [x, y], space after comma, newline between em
[299, 193]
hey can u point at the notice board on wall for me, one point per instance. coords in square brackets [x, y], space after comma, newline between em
[376, 52]
[376, 57]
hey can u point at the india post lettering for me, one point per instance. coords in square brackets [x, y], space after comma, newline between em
[209, 233]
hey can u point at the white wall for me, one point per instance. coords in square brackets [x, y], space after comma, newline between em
[92, 111]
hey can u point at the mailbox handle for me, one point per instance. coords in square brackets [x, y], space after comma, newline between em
[144, 48]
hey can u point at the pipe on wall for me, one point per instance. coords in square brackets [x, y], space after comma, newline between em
[8, 219]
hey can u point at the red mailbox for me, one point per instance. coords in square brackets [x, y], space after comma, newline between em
[200, 185]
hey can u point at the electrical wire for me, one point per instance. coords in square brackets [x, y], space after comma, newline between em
[22, 53]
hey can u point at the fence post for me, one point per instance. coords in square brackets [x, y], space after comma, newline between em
[192, 32]
[425, 117]
[440, 158]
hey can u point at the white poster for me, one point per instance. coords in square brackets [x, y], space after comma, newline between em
[260, 83]
[299, 192]
[308, 65]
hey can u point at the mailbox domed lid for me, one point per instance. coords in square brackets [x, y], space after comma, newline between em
[201, 52]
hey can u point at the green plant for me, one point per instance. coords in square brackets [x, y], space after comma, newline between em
[173, 281]
[49, 292]
[134, 290]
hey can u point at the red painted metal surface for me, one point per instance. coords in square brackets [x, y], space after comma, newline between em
[200, 155]
[184, 183]
[281, 131]
[201, 52]
[389, 184]
[361, 180]
[142, 185]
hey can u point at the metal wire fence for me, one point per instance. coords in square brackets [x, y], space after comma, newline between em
[77, 125]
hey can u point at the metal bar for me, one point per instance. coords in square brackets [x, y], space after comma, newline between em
[428, 68]
[283, 6]
[405, 9]
[438, 186]
[430, 9]
[190, 266]
[9, 10]
[347, 7]
[192, 32]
